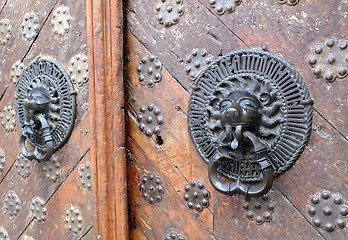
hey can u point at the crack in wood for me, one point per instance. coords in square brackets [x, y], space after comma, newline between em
[57, 188]
[144, 45]
[135, 222]
[38, 33]
[87, 232]
[3, 93]
[68, 174]
[233, 32]
[166, 157]
[8, 171]
[333, 126]
[3, 6]
[163, 178]
[25, 229]
[298, 211]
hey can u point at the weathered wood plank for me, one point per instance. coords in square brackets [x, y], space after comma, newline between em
[322, 166]
[256, 23]
[105, 44]
[70, 193]
[61, 49]
[231, 221]
[197, 28]
[11, 52]
[170, 214]
[293, 32]
[176, 157]
[135, 232]
[37, 184]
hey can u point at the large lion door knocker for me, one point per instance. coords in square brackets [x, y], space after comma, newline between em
[250, 117]
[45, 107]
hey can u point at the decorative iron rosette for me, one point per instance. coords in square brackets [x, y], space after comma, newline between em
[283, 107]
[46, 73]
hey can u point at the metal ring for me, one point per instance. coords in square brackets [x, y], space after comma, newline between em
[238, 187]
[36, 153]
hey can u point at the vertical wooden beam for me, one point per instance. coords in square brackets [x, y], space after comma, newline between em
[105, 53]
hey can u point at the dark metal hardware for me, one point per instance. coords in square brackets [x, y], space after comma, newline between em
[44, 154]
[329, 59]
[46, 109]
[328, 211]
[259, 209]
[239, 187]
[196, 196]
[250, 118]
[151, 188]
[289, 2]
[174, 236]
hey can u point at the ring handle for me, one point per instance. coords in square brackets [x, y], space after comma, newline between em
[238, 187]
[39, 155]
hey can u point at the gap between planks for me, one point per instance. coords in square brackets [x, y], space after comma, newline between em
[57, 189]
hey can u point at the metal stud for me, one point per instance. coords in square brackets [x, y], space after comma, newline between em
[328, 211]
[3, 234]
[289, 2]
[78, 69]
[30, 26]
[174, 236]
[74, 220]
[7, 117]
[85, 175]
[169, 12]
[196, 62]
[39, 209]
[51, 169]
[12, 203]
[149, 70]
[224, 6]
[61, 20]
[329, 59]
[16, 71]
[2, 161]
[23, 166]
[151, 188]
[196, 196]
[259, 209]
[150, 120]
[5, 31]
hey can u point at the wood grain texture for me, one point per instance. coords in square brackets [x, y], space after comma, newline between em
[70, 193]
[293, 33]
[290, 32]
[15, 50]
[171, 214]
[67, 186]
[105, 43]
[176, 158]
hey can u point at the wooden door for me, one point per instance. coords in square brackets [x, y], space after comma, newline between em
[81, 192]
[167, 43]
[51, 200]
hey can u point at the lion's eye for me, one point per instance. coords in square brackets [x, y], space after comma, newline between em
[225, 104]
[248, 103]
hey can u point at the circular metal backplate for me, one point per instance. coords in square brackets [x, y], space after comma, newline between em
[286, 110]
[45, 72]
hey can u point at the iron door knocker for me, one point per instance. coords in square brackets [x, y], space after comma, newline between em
[45, 107]
[250, 118]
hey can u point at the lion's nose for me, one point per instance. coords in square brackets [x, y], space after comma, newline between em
[232, 114]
